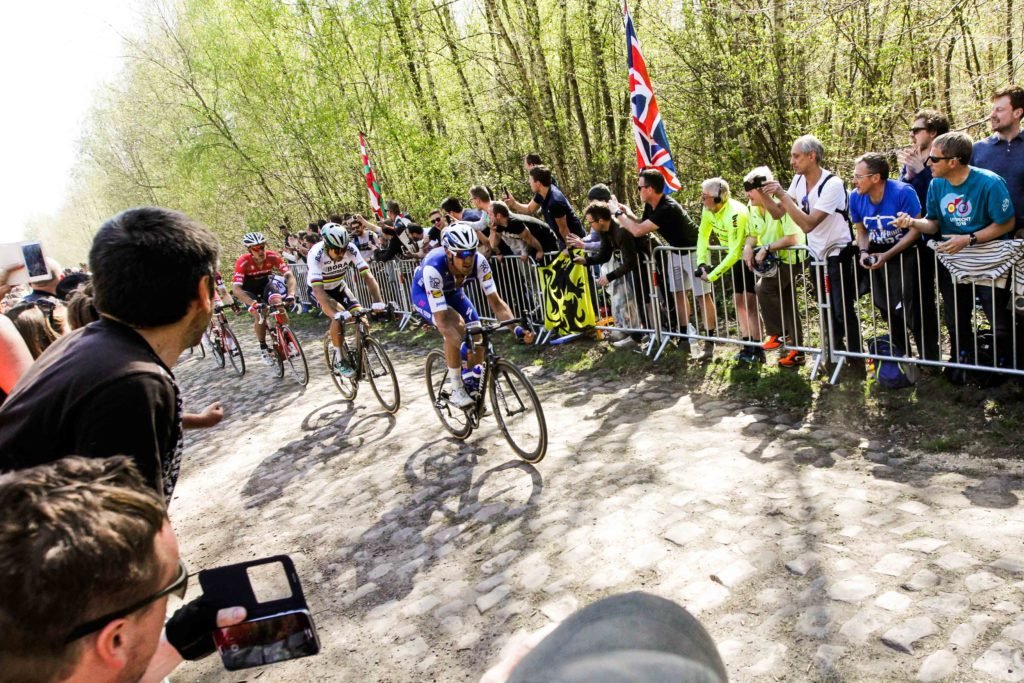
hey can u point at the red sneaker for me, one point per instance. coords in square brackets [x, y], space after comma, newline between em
[792, 359]
[773, 342]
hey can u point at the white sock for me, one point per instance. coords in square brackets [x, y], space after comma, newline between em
[455, 376]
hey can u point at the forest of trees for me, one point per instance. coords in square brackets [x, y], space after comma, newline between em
[245, 113]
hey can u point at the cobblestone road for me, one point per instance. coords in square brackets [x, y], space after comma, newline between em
[809, 554]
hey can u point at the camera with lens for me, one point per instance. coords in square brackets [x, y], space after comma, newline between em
[755, 183]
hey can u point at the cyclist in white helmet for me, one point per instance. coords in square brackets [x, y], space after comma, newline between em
[438, 297]
[328, 263]
[254, 281]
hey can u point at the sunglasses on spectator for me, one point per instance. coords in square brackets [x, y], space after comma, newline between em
[917, 129]
[177, 588]
[857, 176]
[641, 187]
[435, 219]
[936, 160]
[464, 254]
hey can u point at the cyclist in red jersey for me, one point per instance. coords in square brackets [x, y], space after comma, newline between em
[255, 282]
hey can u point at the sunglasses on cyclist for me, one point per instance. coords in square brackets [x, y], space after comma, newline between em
[258, 247]
[176, 588]
[464, 254]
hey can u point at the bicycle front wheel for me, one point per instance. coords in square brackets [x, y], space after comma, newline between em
[232, 349]
[348, 386]
[381, 374]
[454, 419]
[295, 356]
[518, 411]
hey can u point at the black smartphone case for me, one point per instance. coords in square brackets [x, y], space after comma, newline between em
[230, 587]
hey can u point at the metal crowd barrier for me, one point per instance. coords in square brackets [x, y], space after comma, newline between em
[976, 326]
[300, 271]
[721, 316]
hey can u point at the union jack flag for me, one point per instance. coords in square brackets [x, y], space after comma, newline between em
[648, 129]
[371, 182]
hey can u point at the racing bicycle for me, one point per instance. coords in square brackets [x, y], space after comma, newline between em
[283, 346]
[223, 342]
[513, 398]
[369, 360]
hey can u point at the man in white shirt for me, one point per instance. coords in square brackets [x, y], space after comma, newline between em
[817, 202]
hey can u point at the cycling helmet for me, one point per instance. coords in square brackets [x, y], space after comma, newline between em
[459, 236]
[251, 239]
[334, 236]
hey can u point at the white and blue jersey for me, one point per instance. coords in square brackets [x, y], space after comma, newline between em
[434, 289]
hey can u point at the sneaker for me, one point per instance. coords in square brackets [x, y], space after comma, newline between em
[626, 343]
[792, 359]
[773, 342]
[709, 351]
[265, 357]
[757, 355]
[459, 398]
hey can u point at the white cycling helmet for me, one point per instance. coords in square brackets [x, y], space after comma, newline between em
[334, 236]
[459, 236]
[251, 239]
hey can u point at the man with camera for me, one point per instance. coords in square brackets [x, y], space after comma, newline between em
[88, 565]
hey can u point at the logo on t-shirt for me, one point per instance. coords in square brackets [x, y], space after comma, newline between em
[1006, 204]
[958, 209]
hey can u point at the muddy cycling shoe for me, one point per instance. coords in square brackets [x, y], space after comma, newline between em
[459, 398]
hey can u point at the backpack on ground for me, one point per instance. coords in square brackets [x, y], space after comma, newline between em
[891, 374]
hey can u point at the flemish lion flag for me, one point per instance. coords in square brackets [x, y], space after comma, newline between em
[371, 182]
[568, 307]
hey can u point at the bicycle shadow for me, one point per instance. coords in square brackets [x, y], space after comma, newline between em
[329, 434]
[448, 505]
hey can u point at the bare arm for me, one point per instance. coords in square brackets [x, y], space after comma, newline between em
[15, 358]
[499, 307]
[372, 286]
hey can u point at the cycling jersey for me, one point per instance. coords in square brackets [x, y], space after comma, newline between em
[367, 243]
[254, 278]
[434, 288]
[730, 225]
[328, 273]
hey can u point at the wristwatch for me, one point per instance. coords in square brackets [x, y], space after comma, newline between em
[619, 212]
[973, 240]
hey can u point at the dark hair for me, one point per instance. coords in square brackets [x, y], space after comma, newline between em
[319, 224]
[480, 192]
[70, 284]
[309, 226]
[876, 163]
[77, 540]
[653, 179]
[1014, 92]
[391, 206]
[147, 264]
[81, 311]
[451, 204]
[413, 227]
[935, 121]
[500, 209]
[598, 210]
[599, 193]
[39, 322]
[533, 159]
[957, 145]
[542, 174]
[335, 218]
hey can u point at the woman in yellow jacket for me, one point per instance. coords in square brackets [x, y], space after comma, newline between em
[727, 219]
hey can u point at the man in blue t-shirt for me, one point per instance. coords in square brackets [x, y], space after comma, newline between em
[1003, 152]
[557, 210]
[966, 206]
[891, 253]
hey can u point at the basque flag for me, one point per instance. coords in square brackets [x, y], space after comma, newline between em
[648, 129]
[371, 181]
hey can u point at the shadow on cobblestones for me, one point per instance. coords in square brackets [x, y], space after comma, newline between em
[333, 430]
[448, 506]
[995, 492]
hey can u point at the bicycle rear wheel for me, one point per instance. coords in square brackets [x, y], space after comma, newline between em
[518, 411]
[348, 386]
[381, 374]
[295, 356]
[454, 419]
[232, 349]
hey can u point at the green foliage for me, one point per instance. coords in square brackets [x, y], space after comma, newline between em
[246, 112]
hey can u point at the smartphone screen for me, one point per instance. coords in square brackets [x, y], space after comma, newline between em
[32, 252]
[275, 638]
